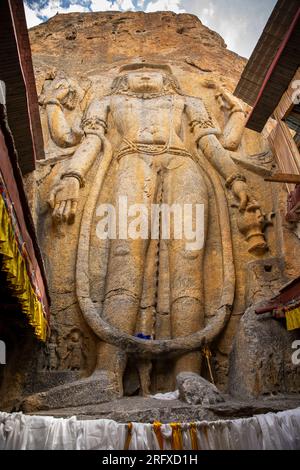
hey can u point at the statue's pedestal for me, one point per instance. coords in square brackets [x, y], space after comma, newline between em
[92, 390]
[147, 410]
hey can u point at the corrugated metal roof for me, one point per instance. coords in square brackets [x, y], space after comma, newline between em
[279, 33]
[16, 71]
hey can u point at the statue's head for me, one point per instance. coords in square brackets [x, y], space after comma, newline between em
[74, 335]
[146, 79]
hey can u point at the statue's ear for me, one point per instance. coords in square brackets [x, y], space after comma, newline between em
[124, 81]
[167, 83]
[119, 83]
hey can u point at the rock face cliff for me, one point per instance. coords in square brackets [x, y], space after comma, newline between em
[80, 60]
[83, 42]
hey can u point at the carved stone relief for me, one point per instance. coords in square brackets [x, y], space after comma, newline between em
[149, 141]
[63, 103]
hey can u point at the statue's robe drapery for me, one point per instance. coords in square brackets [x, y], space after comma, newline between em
[158, 272]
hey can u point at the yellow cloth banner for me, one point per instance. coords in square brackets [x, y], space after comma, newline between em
[18, 279]
[176, 436]
[293, 319]
[159, 436]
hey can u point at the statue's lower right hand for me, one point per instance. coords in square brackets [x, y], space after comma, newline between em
[63, 200]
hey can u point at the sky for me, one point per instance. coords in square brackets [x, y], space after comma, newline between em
[239, 22]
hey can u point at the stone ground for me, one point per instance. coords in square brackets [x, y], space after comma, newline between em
[139, 409]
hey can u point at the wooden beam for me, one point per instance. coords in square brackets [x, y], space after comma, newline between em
[283, 178]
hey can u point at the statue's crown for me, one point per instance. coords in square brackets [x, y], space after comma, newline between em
[143, 66]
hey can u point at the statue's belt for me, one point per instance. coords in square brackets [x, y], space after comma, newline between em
[153, 150]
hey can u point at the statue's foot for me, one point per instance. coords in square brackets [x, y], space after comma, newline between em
[100, 387]
[195, 390]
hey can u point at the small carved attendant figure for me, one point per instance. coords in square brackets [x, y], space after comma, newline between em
[75, 355]
[63, 100]
[235, 115]
[53, 358]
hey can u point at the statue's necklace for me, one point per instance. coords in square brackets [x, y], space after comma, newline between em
[144, 96]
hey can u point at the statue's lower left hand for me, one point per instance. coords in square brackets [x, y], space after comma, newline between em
[63, 200]
[240, 190]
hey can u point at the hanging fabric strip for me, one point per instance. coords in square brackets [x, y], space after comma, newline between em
[176, 436]
[269, 431]
[193, 434]
[19, 282]
[157, 430]
[293, 319]
[128, 437]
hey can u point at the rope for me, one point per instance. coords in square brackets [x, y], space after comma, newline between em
[193, 434]
[207, 354]
[128, 437]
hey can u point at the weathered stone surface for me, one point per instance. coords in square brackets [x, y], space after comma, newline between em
[264, 279]
[198, 59]
[99, 39]
[94, 389]
[261, 359]
[195, 390]
[45, 379]
[148, 410]
[250, 407]
[79, 60]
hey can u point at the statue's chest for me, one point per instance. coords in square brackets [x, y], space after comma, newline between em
[137, 108]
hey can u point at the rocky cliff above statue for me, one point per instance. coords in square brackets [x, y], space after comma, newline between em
[82, 41]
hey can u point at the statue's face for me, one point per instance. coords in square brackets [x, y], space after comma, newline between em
[145, 82]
